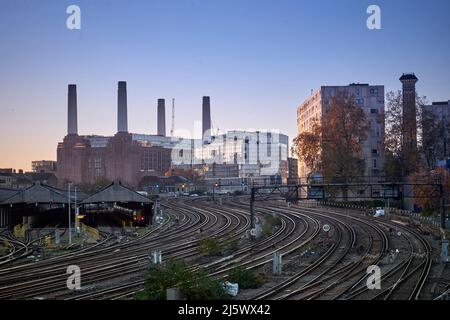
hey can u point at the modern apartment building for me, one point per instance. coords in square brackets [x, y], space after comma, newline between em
[370, 99]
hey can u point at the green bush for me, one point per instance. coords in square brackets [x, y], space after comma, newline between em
[194, 285]
[427, 212]
[269, 223]
[204, 287]
[247, 279]
[273, 221]
[267, 229]
[210, 246]
[162, 277]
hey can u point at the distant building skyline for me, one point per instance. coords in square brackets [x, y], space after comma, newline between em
[256, 60]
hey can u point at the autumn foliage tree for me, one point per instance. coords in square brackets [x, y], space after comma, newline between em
[344, 130]
[189, 174]
[427, 190]
[334, 146]
[307, 146]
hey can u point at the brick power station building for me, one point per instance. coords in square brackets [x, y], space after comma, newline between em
[87, 159]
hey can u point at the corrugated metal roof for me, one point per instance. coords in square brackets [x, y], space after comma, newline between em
[37, 193]
[116, 192]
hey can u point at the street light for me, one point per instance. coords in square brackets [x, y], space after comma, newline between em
[77, 214]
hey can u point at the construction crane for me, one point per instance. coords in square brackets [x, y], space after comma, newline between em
[173, 118]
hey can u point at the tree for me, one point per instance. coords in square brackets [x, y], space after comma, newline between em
[344, 130]
[435, 133]
[427, 203]
[189, 174]
[401, 162]
[334, 145]
[307, 147]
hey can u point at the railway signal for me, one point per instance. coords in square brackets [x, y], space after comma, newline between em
[277, 263]
[57, 236]
[155, 257]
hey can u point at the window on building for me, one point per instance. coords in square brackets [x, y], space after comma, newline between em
[98, 163]
[373, 111]
[374, 163]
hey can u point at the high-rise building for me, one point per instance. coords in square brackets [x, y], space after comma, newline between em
[436, 132]
[370, 99]
[257, 153]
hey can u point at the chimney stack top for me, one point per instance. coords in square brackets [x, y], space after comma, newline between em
[408, 77]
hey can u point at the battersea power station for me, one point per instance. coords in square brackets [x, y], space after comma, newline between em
[87, 159]
[132, 158]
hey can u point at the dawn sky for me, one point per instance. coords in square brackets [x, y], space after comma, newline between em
[257, 59]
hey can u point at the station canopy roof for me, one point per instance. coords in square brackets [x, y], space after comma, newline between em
[7, 193]
[37, 193]
[116, 192]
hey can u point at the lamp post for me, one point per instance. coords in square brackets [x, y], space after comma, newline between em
[77, 213]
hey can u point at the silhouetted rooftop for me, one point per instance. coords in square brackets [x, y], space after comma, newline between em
[37, 193]
[7, 193]
[408, 76]
[116, 192]
[441, 103]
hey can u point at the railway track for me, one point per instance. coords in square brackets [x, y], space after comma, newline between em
[336, 272]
